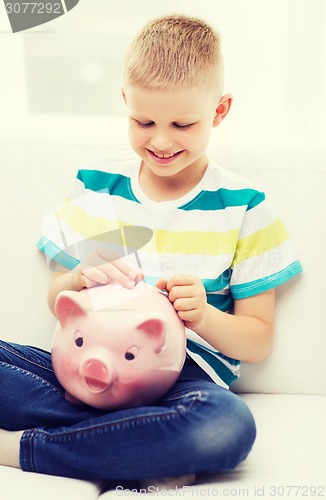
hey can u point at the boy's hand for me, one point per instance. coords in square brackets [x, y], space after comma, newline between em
[98, 269]
[188, 295]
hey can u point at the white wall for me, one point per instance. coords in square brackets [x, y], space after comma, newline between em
[275, 53]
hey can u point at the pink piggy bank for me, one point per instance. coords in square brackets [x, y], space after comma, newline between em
[117, 348]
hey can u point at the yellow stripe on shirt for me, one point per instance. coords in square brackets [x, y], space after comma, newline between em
[80, 221]
[196, 242]
[262, 241]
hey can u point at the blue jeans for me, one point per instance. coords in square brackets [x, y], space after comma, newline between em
[198, 427]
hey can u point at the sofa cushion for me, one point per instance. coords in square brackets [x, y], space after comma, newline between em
[19, 485]
[39, 161]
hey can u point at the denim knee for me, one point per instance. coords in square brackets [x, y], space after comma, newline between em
[243, 434]
[225, 434]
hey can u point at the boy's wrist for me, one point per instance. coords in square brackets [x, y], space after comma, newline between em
[199, 326]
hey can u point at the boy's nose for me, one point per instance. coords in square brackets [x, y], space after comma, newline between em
[162, 142]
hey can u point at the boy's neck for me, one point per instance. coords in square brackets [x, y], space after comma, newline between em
[159, 188]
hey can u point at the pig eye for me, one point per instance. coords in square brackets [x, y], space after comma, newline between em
[131, 353]
[78, 339]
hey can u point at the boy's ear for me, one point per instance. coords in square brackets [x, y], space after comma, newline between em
[222, 109]
[123, 92]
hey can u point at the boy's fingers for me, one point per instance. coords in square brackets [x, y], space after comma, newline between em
[124, 275]
[97, 270]
[180, 280]
[181, 291]
[103, 259]
[103, 276]
[89, 283]
[135, 275]
[185, 304]
[161, 284]
[95, 275]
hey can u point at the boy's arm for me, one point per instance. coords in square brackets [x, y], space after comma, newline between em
[246, 335]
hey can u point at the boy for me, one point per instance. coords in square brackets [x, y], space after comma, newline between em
[215, 249]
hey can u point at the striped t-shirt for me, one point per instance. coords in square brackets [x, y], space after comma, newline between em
[222, 231]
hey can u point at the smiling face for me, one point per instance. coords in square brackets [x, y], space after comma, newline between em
[170, 129]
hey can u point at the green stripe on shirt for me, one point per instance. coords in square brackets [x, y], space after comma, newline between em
[218, 366]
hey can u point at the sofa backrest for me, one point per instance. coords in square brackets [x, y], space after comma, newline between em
[295, 182]
[38, 164]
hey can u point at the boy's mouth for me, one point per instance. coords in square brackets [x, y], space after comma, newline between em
[164, 157]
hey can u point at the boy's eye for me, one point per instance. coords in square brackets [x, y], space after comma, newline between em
[182, 127]
[179, 126]
[144, 124]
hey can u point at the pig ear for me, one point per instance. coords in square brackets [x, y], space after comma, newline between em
[66, 307]
[156, 329]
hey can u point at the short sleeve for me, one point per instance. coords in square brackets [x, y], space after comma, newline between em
[73, 229]
[264, 256]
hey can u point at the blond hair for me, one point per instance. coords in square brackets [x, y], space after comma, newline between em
[175, 51]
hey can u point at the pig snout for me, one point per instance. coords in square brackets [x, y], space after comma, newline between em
[95, 369]
[97, 375]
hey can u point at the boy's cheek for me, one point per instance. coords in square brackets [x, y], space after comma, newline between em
[136, 137]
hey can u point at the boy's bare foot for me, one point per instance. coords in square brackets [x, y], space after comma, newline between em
[168, 482]
[9, 448]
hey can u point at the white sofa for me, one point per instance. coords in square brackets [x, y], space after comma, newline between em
[286, 392]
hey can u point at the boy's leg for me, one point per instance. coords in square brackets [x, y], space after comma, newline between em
[197, 427]
[30, 394]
